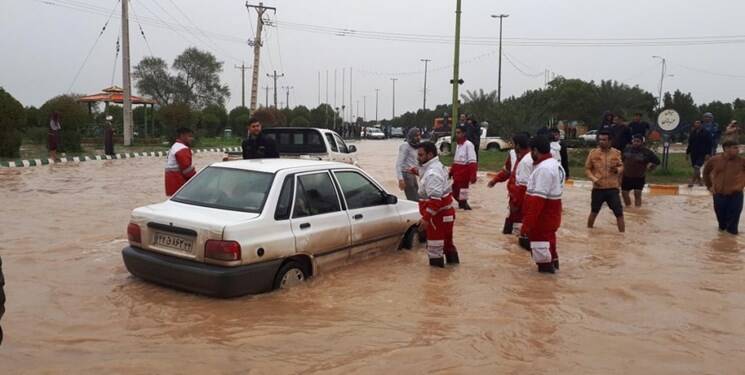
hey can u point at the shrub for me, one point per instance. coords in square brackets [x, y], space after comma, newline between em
[12, 117]
[174, 116]
[73, 118]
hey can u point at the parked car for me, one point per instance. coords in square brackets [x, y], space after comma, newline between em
[487, 143]
[250, 226]
[308, 143]
[589, 137]
[397, 133]
[374, 133]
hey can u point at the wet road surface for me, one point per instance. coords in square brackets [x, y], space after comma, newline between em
[668, 297]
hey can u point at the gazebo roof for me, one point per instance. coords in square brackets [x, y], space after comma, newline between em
[114, 94]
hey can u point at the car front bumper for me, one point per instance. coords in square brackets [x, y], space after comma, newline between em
[207, 279]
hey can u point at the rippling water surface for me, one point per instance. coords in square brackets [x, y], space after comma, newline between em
[667, 297]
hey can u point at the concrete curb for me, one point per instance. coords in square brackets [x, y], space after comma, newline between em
[21, 163]
[655, 189]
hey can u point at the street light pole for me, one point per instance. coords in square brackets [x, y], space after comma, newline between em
[662, 78]
[456, 74]
[393, 114]
[377, 91]
[426, 61]
[499, 82]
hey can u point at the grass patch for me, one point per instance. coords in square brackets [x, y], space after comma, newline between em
[679, 171]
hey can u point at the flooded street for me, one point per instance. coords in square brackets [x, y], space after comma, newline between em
[667, 297]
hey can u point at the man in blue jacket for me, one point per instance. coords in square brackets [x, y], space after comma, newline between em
[713, 129]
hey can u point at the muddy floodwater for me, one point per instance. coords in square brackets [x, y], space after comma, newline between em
[667, 297]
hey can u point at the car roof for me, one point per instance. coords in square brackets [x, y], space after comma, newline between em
[276, 165]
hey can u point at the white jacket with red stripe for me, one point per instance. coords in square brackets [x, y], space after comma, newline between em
[542, 205]
[178, 167]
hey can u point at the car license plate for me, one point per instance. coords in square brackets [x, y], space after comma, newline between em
[174, 242]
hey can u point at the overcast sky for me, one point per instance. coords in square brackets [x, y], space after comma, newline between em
[44, 43]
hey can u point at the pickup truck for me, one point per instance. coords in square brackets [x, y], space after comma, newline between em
[487, 143]
[308, 143]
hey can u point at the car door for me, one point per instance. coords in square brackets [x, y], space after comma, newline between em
[346, 156]
[334, 154]
[319, 224]
[373, 220]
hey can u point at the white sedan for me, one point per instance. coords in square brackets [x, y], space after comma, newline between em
[250, 226]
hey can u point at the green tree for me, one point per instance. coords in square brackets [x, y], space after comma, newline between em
[12, 118]
[174, 116]
[73, 118]
[723, 112]
[195, 81]
[684, 104]
[33, 118]
[300, 121]
[214, 118]
[238, 120]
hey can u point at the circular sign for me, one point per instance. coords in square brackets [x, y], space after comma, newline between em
[668, 120]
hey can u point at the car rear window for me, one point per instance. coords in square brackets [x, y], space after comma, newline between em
[297, 141]
[228, 189]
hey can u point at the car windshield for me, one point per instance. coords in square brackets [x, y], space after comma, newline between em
[228, 189]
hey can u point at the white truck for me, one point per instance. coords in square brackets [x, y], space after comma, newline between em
[487, 143]
[308, 143]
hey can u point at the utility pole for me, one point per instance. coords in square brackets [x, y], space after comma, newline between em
[499, 82]
[364, 108]
[358, 111]
[319, 87]
[256, 43]
[663, 73]
[351, 117]
[275, 76]
[376, 105]
[335, 87]
[426, 61]
[393, 115]
[127, 100]
[243, 69]
[287, 99]
[456, 75]
[266, 101]
[343, 94]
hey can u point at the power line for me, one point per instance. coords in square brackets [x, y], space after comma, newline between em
[509, 60]
[699, 70]
[142, 32]
[90, 52]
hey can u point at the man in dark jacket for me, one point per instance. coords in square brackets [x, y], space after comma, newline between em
[256, 145]
[621, 133]
[473, 134]
[699, 150]
[2, 298]
[637, 160]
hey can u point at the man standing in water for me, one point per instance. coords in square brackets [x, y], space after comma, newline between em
[698, 151]
[724, 176]
[516, 172]
[256, 145]
[406, 163]
[542, 207]
[713, 129]
[637, 160]
[559, 150]
[464, 168]
[605, 168]
[436, 207]
[178, 164]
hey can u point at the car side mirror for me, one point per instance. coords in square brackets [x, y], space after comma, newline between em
[352, 148]
[391, 199]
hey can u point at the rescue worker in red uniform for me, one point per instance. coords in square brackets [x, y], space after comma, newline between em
[542, 206]
[516, 172]
[178, 165]
[464, 168]
[436, 207]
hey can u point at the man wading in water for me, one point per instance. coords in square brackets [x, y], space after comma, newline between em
[637, 160]
[605, 168]
[406, 165]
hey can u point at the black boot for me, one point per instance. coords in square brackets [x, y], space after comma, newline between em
[524, 242]
[452, 258]
[508, 226]
[422, 237]
[546, 268]
[556, 264]
[437, 262]
[466, 206]
[461, 205]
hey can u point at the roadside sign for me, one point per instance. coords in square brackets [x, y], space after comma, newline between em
[668, 120]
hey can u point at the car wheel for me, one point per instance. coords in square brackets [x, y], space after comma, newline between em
[408, 241]
[493, 147]
[445, 147]
[290, 274]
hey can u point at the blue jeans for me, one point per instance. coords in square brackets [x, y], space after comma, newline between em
[728, 208]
